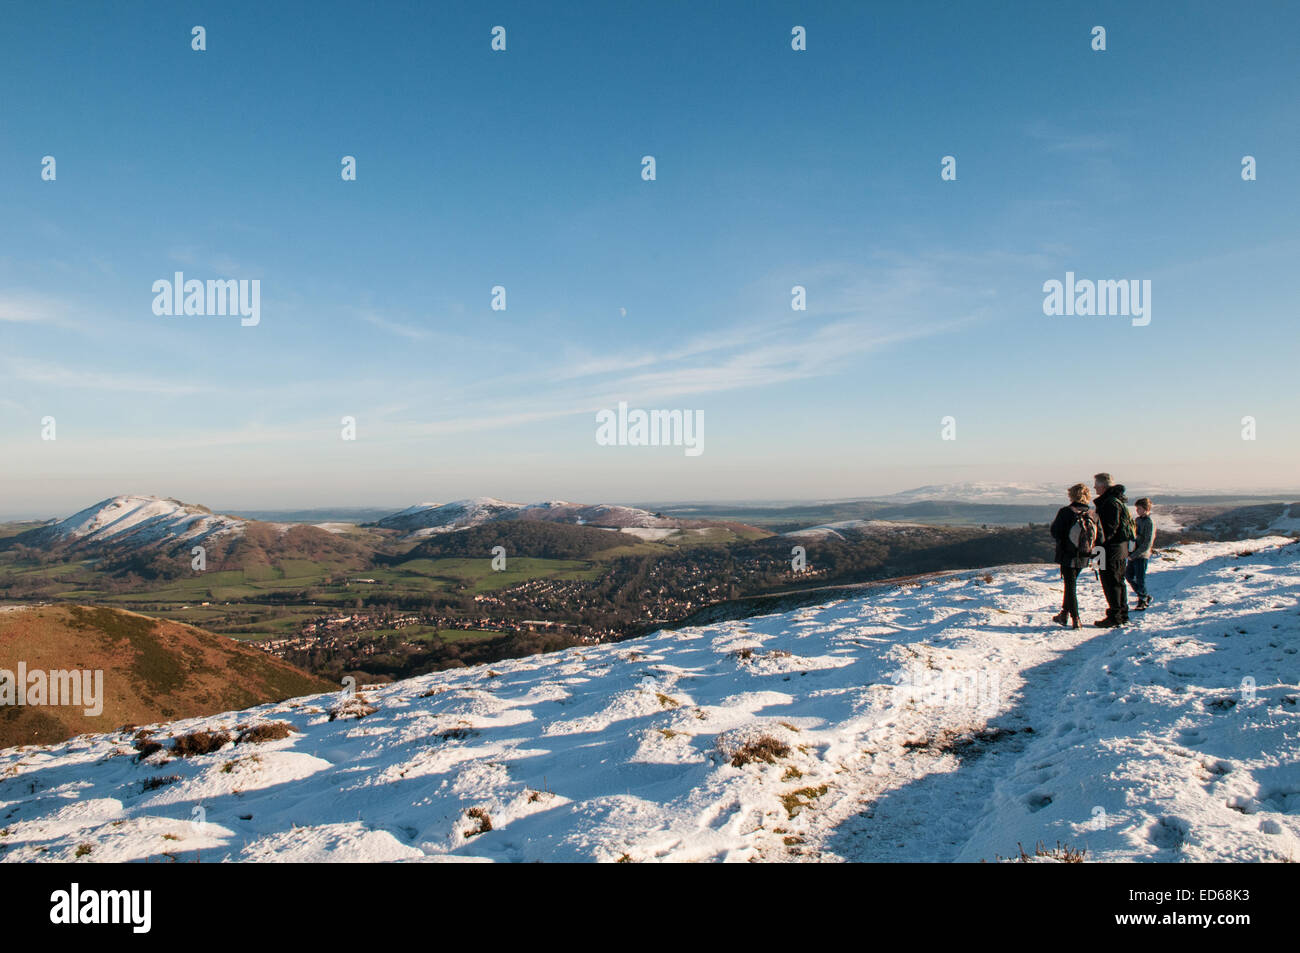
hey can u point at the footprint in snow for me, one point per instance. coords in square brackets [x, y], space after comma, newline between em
[1169, 833]
[1037, 801]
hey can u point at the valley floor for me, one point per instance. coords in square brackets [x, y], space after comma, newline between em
[945, 720]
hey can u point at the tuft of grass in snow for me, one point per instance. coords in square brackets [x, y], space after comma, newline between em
[267, 731]
[146, 747]
[229, 766]
[763, 748]
[667, 700]
[199, 742]
[796, 801]
[354, 706]
[1061, 853]
[482, 821]
[159, 781]
[462, 730]
[963, 743]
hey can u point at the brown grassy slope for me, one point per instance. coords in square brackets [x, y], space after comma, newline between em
[154, 670]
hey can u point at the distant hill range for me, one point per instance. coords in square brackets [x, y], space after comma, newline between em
[427, 519]
[153, 670]
[973, 504]
[149, 529]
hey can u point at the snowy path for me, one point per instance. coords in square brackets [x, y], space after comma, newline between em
[946, 720]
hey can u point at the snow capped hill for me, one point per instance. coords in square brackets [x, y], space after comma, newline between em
[142, 522]
[1288, 523]
[600, 514]
[848, 529]
[426, 519]
[934, 721]
[1007, 493]
[981, 493]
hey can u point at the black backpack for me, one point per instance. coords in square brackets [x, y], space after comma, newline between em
[1127, 527]
[1085, 534]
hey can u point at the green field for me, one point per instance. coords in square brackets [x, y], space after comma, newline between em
[476, 575]
[232, 596]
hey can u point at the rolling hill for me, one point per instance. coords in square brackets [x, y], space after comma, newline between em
[141, 522]
[155, 536]
[152, 670]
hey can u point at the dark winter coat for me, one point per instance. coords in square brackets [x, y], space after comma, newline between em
[1109, 506]
[1065, 519]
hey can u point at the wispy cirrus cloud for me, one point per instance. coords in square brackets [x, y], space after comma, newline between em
[31, 371]
[21, 308]
[861, 312]
[1052, 138]
[410, 332]
[217, 262]
[854, 310]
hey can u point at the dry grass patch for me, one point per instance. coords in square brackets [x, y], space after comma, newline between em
[796, 801]
[199, 742]
[146, 747]
[158, 781]
[267, 731]
[1062, 853]
[229, 766]
[354, 706]
[764, 748]
[482, 821]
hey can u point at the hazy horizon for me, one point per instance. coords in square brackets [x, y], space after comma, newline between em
[1148, 487]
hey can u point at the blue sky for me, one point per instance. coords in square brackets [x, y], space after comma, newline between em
[522, 169]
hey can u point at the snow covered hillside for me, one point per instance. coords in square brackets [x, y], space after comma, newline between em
[426, 519]
[141, 521]
[1007, 493]
[848, 529]
[940, 721]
